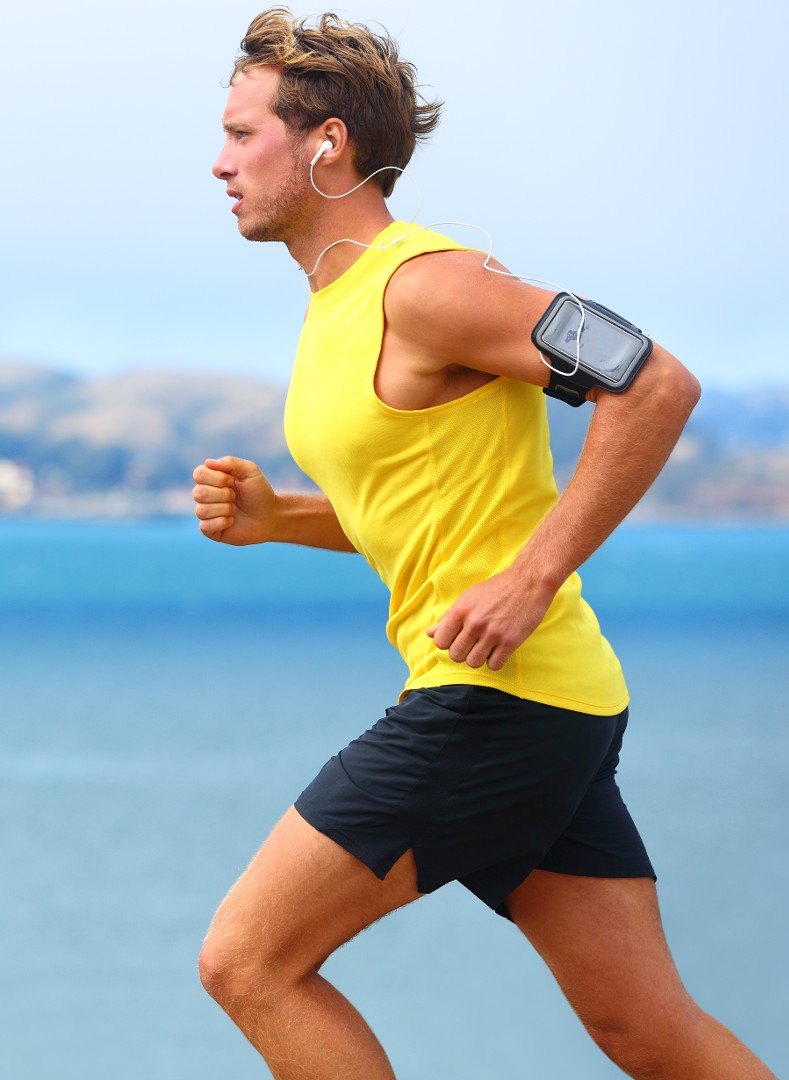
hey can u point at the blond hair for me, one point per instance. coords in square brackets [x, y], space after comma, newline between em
[341, 69]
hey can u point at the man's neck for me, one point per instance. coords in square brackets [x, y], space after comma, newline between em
[320, 255]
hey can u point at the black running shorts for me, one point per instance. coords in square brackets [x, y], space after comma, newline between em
[485, 787]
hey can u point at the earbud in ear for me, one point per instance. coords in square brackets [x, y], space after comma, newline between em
[327, 144]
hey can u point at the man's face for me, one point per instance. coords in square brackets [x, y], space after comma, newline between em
[266, 170]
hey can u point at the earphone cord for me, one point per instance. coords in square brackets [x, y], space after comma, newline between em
[399, 237]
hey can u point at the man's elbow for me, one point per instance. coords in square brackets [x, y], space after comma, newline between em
[665, 386]
[675, 385]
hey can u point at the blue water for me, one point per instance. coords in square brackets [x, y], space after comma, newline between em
[164, 699]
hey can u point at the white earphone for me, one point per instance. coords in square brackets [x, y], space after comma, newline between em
[398, 238]
[327, 144]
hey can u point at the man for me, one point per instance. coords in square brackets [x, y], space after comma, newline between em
[416, 404]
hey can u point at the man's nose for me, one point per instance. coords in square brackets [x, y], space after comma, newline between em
[222, 167]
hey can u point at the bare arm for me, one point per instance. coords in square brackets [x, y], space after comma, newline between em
[236, 505]
[630, 438]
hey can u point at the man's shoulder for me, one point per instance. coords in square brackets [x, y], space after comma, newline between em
[459, 298]
[433, 276]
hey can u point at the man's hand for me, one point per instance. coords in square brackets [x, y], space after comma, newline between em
[237, 505]
[234, 501]
[488, 621]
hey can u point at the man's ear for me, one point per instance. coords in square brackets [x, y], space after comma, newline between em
[330, 140]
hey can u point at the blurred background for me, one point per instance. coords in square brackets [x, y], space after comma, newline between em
[149, 731]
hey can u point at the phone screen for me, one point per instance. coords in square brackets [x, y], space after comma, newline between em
[605, 347]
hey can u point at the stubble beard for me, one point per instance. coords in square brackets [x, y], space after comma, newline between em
[285, 214]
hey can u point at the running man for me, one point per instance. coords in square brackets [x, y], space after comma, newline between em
[417, 406]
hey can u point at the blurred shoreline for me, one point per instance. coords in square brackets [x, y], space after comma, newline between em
[125, 446]
[132, 506]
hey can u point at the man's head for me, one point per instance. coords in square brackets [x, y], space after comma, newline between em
[344, 70]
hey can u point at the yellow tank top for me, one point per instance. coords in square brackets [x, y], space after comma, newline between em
[439, 498]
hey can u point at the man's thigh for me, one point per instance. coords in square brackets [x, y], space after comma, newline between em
[303, 896]
[603, 940]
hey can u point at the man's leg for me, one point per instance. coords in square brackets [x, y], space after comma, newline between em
[300, 899]
[603, 940]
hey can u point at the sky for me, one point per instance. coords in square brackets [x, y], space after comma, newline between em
[630, 151]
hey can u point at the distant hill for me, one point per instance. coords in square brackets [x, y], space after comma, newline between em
[128, 444]
[731, 463]
[141, 432]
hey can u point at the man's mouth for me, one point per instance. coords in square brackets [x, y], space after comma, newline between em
[239, 199]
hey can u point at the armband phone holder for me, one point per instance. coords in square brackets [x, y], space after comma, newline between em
[610, 355]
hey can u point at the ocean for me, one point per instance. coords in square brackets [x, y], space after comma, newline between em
[165, 698]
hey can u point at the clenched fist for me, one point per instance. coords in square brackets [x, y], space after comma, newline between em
[234, 501]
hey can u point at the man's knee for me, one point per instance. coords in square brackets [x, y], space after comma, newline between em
[627, 1047]
[219, 973]
[233, 977]
[643, 1046]
[235, 965]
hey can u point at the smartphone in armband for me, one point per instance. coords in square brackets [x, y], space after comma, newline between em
[611, 349]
